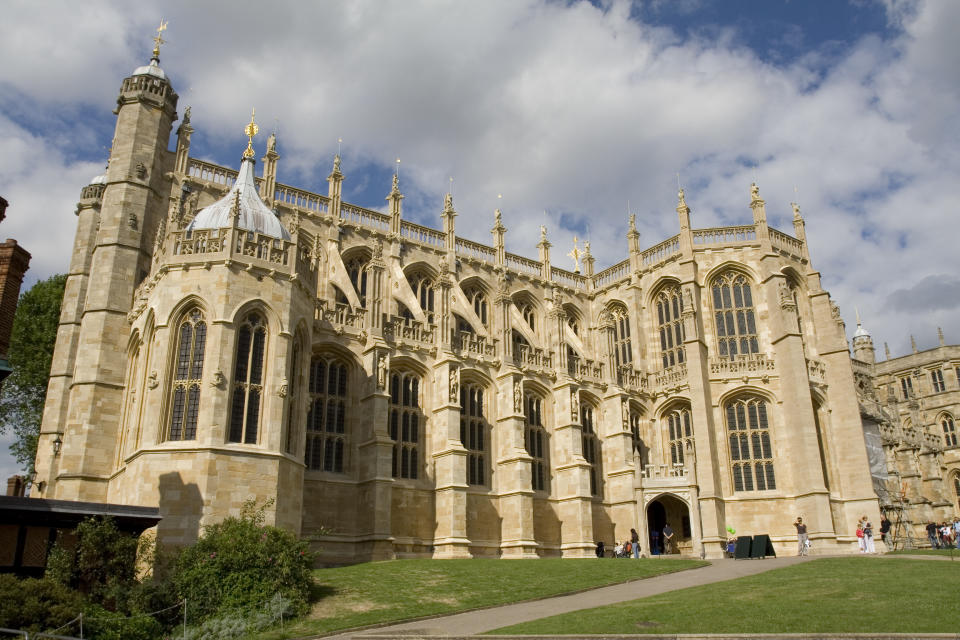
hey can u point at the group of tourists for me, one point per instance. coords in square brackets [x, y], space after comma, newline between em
[944, 535]
[865, 536]
[631, 547]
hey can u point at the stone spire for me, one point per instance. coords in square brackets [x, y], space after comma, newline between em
[940, 336]
[913, 343]
[499, 232]
[544, 248]
[335, 190]
[395, 198]
[448, 216]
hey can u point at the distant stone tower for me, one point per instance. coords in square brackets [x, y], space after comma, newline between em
[118, 216]
[863, 344]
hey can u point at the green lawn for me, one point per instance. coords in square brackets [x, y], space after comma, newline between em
[950, 553]
[380, 592]
[829, 595]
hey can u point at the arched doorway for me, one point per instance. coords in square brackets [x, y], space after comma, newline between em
[670, 509]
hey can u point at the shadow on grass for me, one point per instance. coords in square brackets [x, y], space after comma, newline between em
[320, 591]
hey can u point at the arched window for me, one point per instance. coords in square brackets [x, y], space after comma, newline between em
[479, 302]
[187, 372]
[520, 345]
[670, 326]
[573, 362]
[248, 379]
[293, 393]
[574, 324]
[534, 439]
[473, 432]
[357, 270]
[736, 324]
[623, 354]
[680, 430]
[422, 287]
[949, 431]
[327, 416]
[529, 316]
[956, 486]
[639, 448]
[751, 454]
[405, 419]
[591, 446]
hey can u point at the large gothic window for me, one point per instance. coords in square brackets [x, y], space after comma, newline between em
[736, 323]
[949, 431]
[405, 419]
[529, 316]
[670, 326]
[591, 446]
[623, 354]
[188, 370]
[422, 287]
[680, 430]
[248, 379]
[751, 454]
[326, 417]
[534, 438]
[357, 270]
[473, 432]
[478, 300]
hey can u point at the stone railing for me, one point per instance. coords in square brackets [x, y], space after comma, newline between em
[466, 343]
[817, 371]
[663, 472]
[530, 357]
[523, 265]
[739, 365]
[631, 380]
[617, 272]
[262, 247]
[399, 329]
[423, 235]
[932, 440]
[724, 235]
[475, 251]
[587, 370]
[92, 192]
[339, 315]
[660, 252]
[293, 197]
[365, 217]
[785, 243]
[150, 84]
[198, 242]
[569, 279]
[671, 376]
[210, 172]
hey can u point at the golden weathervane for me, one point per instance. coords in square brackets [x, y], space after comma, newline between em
[157, 40]
[251, 130]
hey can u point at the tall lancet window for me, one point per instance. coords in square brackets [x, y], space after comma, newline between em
[591, 447]
[248, 379]
[188, 370]
[736, 323]
[422, 287]
[680, 429]
[535, 437]
[670, 326]
[473, 432]
[357, 270]
[751, 454]
[326, 418]
[623, 354]
[405, 422]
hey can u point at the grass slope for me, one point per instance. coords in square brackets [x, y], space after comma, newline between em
[380, 592]
[829, 595]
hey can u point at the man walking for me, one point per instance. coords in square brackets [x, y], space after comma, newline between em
[802, 539]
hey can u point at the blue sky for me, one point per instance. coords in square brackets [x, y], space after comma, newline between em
[573, 108]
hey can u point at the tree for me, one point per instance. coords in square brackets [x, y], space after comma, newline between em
[31, 352]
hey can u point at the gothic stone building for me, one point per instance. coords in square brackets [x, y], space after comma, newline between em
[225, 337]
[909, 406]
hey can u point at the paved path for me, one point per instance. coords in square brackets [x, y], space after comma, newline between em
[479, 621]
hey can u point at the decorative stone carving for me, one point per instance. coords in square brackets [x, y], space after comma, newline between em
[381, 371]
[282, 391]
[574, 406]
[152, 381]
[141, 170]
[517, 396]
[786, 297]
[454, 384]
[219, 380]
[133, 222]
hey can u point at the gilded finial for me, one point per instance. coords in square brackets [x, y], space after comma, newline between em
[250, 130]
[158, 40]
[575, 253]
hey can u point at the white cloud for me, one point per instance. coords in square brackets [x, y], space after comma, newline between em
[565, 107]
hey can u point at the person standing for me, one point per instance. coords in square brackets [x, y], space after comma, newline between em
[884, 529]
[932, 535]
[868, 538]
[956, 531]
[667, 539]
[635, 542]
[802, 540]
[860, 542]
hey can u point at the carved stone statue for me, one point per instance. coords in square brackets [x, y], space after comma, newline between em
[574, 405]
[454, 384]
[517, 396]
[382, 371]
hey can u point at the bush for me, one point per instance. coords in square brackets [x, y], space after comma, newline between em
[240, 564]
[101, 624]
[102, 564]
[37, 605]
